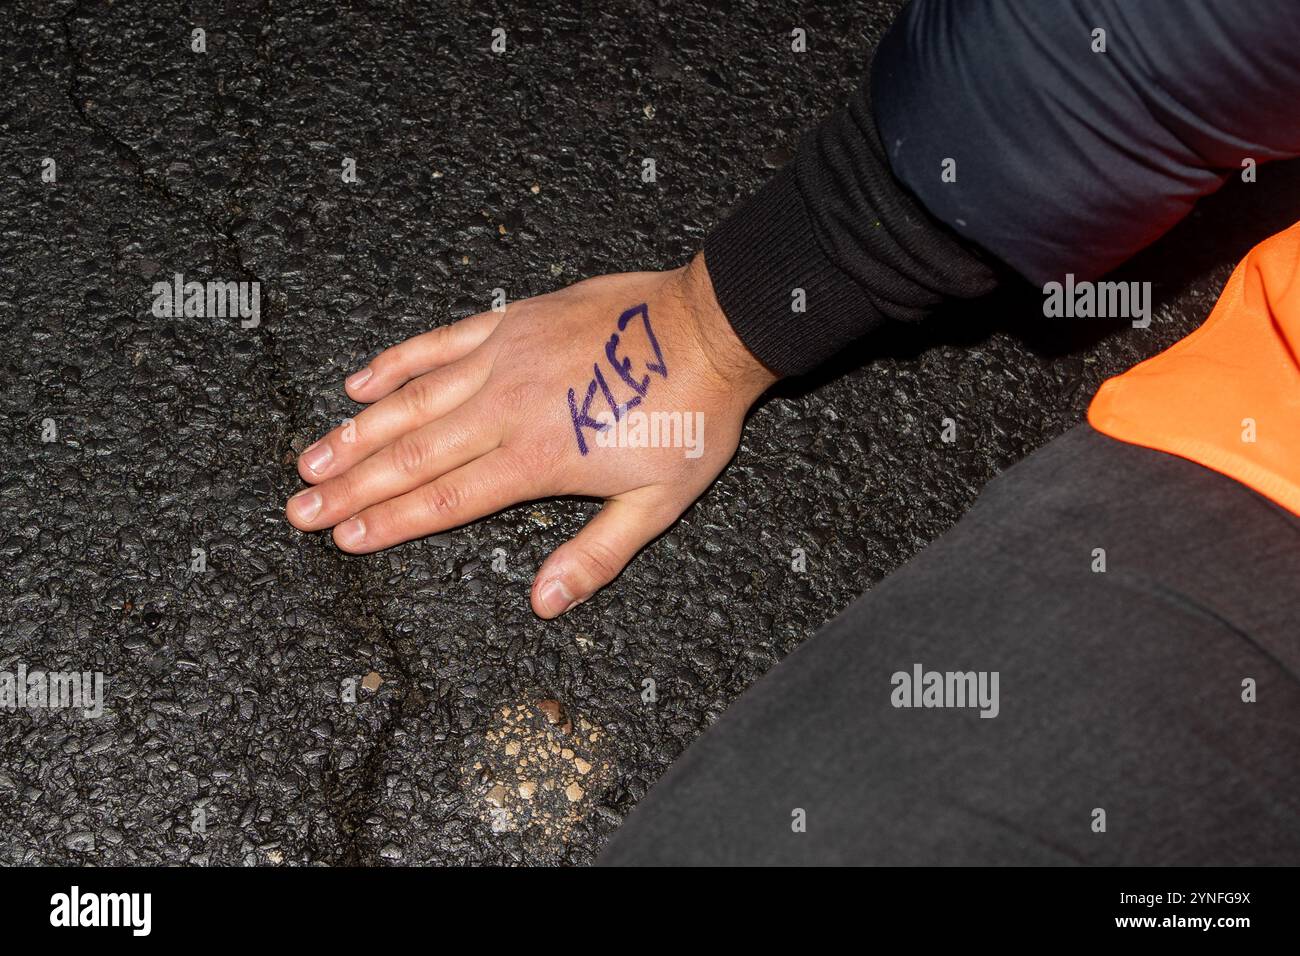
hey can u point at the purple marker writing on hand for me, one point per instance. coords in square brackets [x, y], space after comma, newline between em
[623, 369]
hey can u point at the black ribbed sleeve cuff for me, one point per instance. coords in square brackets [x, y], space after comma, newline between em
[788, 303]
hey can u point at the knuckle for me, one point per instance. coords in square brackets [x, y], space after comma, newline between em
[416, 395]
[531, 464]
[442, 499]
[409, 455]
[516, 396]
[599, 561]
[341, 492]
[440, 337]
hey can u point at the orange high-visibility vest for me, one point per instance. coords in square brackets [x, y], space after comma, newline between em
[1228, 395]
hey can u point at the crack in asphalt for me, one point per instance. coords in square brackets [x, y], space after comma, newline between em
[361, 579]
[223, 237]
[351, 808]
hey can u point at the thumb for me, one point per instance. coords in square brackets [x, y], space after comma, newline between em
[595, 555]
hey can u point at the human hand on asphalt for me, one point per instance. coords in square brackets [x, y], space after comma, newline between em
[562, 394]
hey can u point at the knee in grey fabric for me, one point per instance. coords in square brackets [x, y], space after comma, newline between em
[1124, 730]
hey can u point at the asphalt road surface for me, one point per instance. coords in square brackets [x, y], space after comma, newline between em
[272, 701]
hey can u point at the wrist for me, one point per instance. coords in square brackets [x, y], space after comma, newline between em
[730, 363]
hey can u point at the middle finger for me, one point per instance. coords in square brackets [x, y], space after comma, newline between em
[417, 403]
[414, 459]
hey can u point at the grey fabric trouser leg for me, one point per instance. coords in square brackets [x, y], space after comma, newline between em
[1118, 691]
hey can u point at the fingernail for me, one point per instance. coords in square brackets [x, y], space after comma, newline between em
[555, 597]
[305, 505]
[350, 533]
[357, 379]
[318, 457]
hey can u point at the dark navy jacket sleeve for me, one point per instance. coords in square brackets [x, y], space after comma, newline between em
[1072, 133]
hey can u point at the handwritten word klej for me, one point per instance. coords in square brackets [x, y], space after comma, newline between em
[621, 364]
